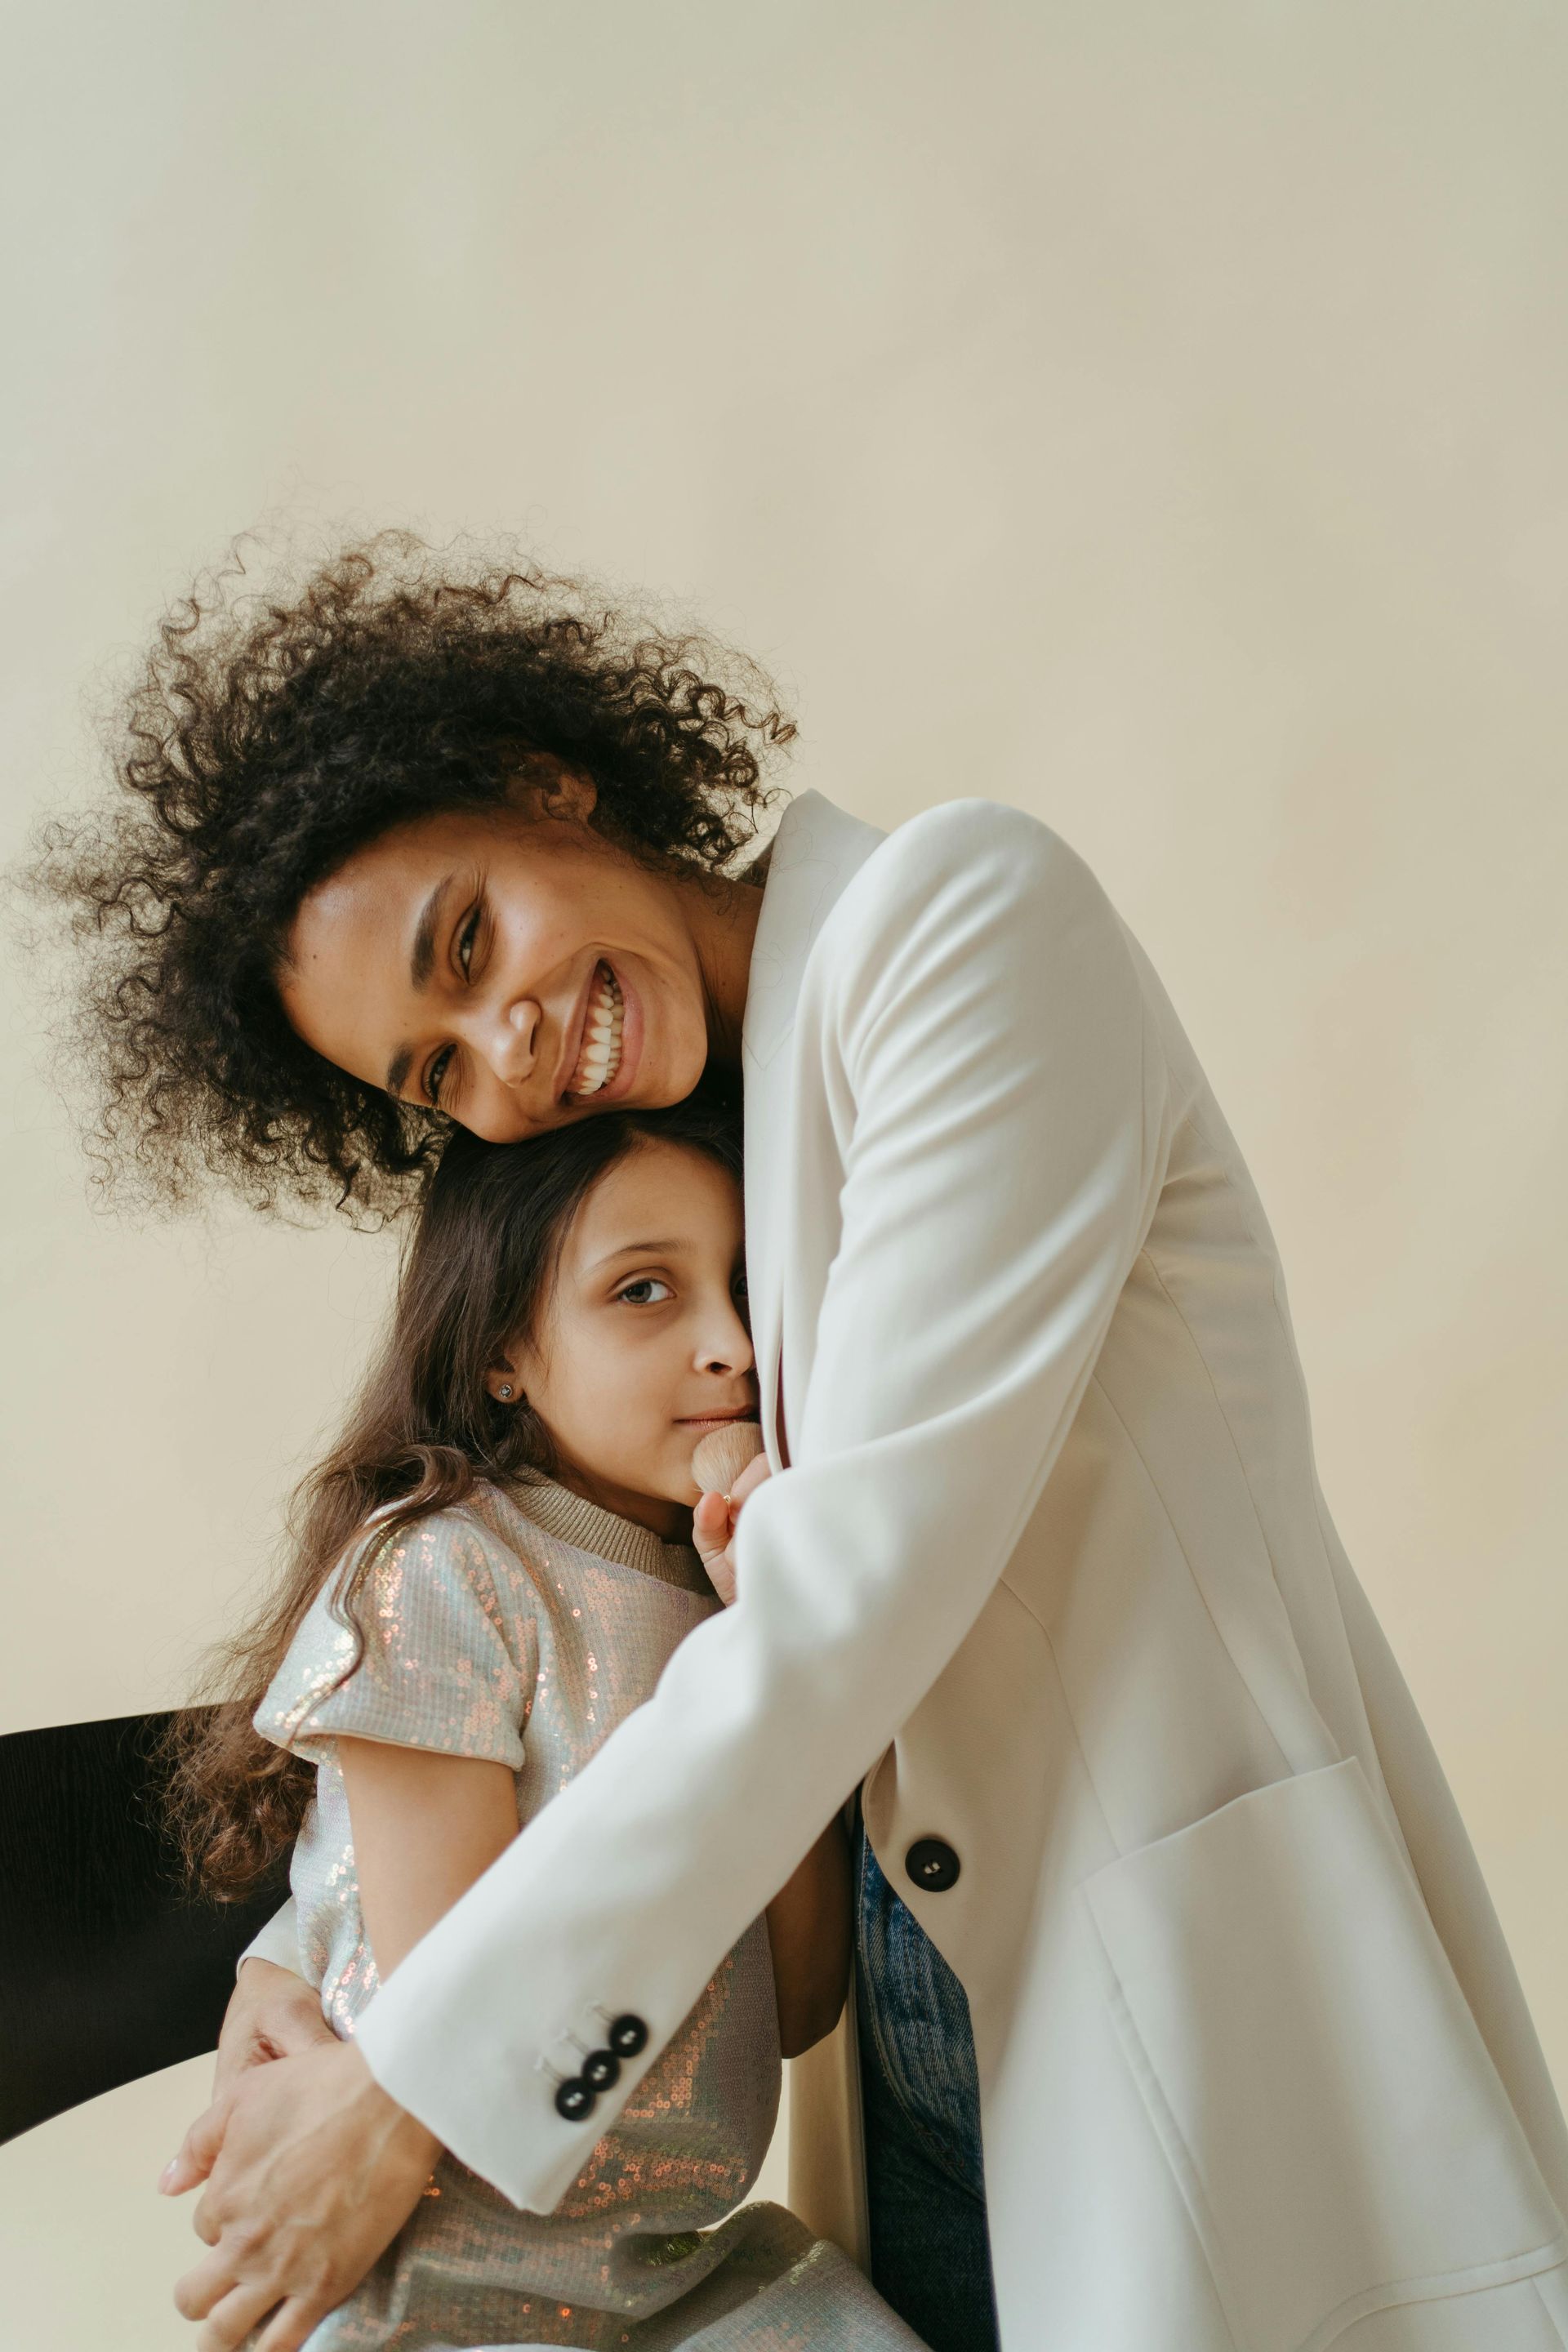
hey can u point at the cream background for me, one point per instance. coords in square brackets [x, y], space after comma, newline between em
[1152, 416]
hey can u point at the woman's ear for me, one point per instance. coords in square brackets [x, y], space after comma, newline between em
[542, 785]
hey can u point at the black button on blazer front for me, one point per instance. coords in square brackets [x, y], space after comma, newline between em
[932, 1865]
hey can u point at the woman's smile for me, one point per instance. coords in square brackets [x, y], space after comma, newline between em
[609, 1040]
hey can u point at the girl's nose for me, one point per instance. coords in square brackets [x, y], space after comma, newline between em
[727, 1349]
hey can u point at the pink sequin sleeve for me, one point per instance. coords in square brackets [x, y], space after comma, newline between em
[449, 1655]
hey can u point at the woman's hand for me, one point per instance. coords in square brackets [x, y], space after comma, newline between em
[714, 1525]
[271, 2013]
[314, 2170]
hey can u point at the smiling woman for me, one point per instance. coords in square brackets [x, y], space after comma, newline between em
[512, 966]
[421, 837]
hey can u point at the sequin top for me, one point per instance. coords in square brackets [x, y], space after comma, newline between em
[522, 1626]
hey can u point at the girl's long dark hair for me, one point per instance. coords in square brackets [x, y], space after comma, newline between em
[425, 1427]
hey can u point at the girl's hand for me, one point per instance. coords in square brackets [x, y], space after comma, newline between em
[271, 2013]
[714, 1525]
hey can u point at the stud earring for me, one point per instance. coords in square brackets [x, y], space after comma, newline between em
[506, 1392]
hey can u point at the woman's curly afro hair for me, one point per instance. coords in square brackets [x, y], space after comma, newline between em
[271, 737]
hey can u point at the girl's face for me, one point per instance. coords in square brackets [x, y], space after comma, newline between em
[643, 1346]
[513, 967]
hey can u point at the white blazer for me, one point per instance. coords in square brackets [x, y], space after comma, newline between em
[1050, 1564]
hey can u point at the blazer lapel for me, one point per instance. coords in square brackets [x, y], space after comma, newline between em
[817, 850]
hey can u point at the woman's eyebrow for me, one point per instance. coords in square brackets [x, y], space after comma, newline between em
[421, 963]
[421, 960]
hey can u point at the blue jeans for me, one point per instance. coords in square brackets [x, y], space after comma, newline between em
[931, 2254]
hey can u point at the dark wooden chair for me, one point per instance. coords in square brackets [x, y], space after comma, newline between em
[110, 1968]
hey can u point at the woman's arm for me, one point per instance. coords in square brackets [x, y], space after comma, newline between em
[810, 1919]
[809, 1930]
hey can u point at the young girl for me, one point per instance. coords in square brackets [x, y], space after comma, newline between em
[494, 1567]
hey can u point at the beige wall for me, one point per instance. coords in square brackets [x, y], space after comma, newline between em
[1149, 416]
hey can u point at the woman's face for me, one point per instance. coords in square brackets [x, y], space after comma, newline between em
[509, 966]
[643, 1346]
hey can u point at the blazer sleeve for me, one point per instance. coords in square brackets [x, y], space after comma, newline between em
[995, 1076]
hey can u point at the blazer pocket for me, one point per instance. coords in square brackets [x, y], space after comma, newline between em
[1339, 2131]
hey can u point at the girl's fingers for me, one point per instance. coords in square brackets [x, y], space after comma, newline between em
[710, 1528]
[230, 2321]
[750, 1479]
[711, 1524]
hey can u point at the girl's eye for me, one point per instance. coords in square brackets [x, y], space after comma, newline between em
[465, 939]
[436, 1073]
[635, 1294]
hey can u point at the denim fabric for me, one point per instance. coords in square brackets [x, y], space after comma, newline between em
[931, 2255]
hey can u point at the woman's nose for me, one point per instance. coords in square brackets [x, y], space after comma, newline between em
[510, 1042]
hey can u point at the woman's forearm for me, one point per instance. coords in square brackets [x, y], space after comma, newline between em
[809, 1930]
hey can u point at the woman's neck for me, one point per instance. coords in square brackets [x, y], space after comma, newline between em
[724, 919]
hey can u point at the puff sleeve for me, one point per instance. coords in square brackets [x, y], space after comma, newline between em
[440, 1664]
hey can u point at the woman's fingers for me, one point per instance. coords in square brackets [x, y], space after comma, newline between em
[204, 2287]
[315, 2171]
[291, 2326]
[198, 2151]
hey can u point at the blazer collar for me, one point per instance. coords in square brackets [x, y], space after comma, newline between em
[817, 850]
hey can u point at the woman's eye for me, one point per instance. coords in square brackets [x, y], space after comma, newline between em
[465, 939]
[637, 1294]
[436, 1073]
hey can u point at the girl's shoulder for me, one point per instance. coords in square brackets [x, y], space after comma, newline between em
[475, 1542]
[420, 1636]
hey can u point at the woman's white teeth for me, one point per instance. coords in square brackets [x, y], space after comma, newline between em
[601, 1055]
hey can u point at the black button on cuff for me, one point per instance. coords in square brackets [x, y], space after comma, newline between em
[932, 1865]
[601, 2068]
[575, 2098]
[628, 2036]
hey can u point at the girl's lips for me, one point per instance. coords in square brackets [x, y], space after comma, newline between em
[717, 1420]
